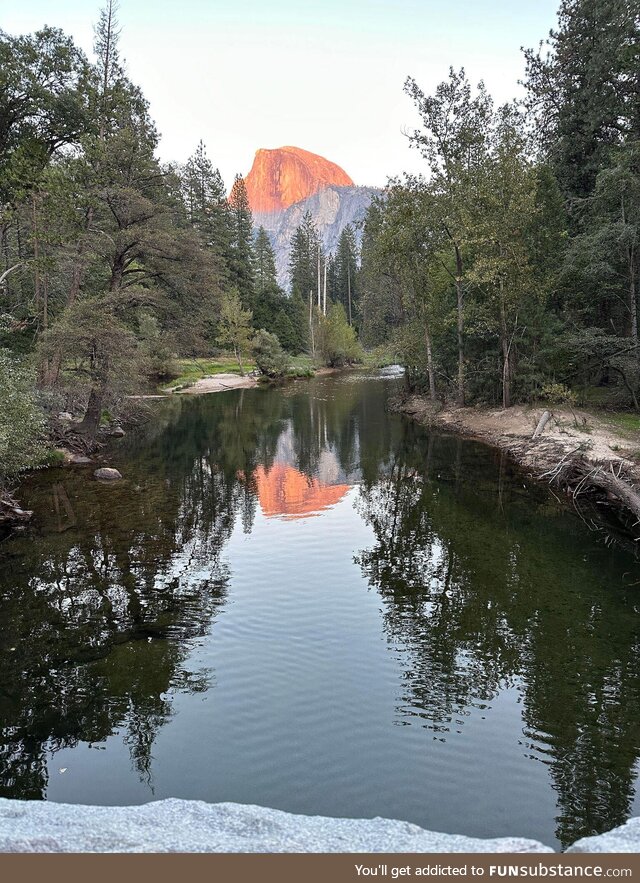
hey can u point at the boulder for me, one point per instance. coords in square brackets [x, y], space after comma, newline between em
[107, 474]
[194, 826]
[77, 459]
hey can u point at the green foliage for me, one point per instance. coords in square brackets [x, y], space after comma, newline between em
[585, 90]
[161, 361]
[337, 342]
[271, 360]
[22, 423]
[234, 329]
[558, 394]
[241, 255]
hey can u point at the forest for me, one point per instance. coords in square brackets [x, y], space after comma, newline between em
[507, 272]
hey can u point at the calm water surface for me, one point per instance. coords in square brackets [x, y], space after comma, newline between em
[297, 600]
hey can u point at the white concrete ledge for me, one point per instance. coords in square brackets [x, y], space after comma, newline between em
[626, 838]
[194, 826]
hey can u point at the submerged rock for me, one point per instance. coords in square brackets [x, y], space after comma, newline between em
[194, 826]
[77, 459]
[107, 474]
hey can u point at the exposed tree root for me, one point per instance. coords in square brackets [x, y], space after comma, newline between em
[67, 436]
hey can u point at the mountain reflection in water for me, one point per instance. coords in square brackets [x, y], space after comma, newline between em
[285, 491]
[440, 642]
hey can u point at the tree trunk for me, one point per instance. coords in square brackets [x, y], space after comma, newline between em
[237, 352]
[313, 345]
[633, 303]
[36, 256]
[506, 352]
[430, 371]
[91, 420]
[542, 422]
[460, 306]
[324, 291]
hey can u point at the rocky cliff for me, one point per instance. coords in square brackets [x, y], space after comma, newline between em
[287, 182]
[285, 175]
[332, 208]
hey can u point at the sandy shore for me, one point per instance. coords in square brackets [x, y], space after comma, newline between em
[218, 383]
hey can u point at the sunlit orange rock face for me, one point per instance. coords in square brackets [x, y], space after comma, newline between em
[285, 175]
[284, 491]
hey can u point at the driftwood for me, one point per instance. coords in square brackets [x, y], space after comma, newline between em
[542, 422]
[11, 512]
[609, 481]
[613, 481]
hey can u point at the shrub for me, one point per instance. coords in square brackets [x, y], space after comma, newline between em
[22, 423]
[338, 342]
[271, 360]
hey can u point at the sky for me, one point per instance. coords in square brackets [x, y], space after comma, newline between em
[325, 75]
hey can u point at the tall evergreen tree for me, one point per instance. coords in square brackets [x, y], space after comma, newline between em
[242, 262]
[266, 278]
[585, 90]
[303, 260]
[346, 267]
[207, 206]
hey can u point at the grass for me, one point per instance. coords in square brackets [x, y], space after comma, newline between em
[192, 370]
[624, 420]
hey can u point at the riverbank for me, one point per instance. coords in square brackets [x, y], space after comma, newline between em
[580, 452]
[223, 382]
[217, 383]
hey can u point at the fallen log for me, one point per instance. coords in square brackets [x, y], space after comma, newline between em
[542, 422]
[605, 477]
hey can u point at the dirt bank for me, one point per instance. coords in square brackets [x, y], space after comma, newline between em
[580, 452]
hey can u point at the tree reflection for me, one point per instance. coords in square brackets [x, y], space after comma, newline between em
[478, 587]
[484, 584]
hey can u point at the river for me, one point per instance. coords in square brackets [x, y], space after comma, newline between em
[297, 599]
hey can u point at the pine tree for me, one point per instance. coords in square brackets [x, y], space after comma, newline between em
[207, 207]
[266, 278]
[303, 260]
[586, 90]
[346, 266]
[242, 261]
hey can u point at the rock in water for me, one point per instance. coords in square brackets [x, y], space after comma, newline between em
[78, 459]
[107, 474]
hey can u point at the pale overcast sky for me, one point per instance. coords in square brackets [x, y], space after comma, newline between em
[326, 76]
